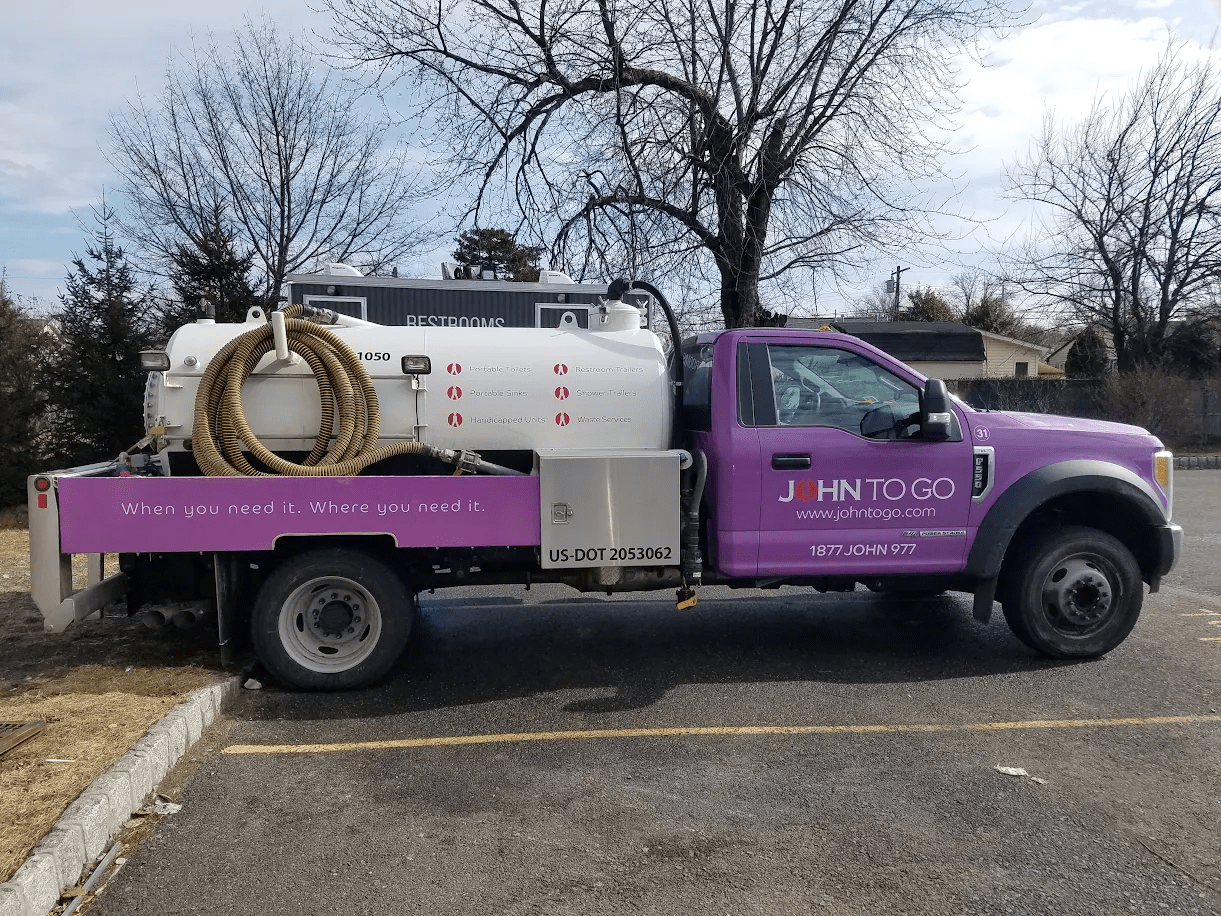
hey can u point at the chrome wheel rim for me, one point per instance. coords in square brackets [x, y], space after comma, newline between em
[330, 624]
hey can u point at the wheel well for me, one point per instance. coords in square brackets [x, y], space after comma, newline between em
[379, 545]
[1115, 515]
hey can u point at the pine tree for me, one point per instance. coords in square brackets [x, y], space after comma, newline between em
[1087, 357]
[212, 272]
[497, 250]
[95, 383]
[22, 350]
[926, 305]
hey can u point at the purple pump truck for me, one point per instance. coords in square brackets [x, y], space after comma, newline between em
[798, 458]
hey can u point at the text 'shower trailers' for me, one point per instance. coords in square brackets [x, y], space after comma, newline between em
[305, 475]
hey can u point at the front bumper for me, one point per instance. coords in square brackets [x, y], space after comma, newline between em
[1169, 549]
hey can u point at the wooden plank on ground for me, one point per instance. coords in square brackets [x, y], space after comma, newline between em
[13, 733]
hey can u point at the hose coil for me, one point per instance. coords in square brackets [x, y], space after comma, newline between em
[345, 389]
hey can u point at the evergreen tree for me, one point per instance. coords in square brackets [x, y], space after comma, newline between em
[1087, 357]
[926, 305]
[993, 312]
[23, 347]
[211, 272]
[1191, 349]
[94, 383]
[497, 250]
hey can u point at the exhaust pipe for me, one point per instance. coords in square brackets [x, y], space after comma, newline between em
[187, 617]
[183, 615]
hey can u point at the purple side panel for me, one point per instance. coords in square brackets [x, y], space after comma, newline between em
[166, 514]
[734, 481]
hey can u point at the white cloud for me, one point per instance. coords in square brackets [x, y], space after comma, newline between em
[69, 63]
[1054, 70]
[1056, 67]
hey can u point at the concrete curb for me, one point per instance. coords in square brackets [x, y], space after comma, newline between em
[1181, 462]
[87, 826]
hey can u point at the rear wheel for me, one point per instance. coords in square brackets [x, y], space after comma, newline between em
[1075, 593]
[331, 619]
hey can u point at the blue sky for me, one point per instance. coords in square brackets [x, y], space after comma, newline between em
[67, 65]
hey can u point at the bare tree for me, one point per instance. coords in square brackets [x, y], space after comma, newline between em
[278, 150]
[876, 305]
[983, 301]
[747, 139]
[1134, 242]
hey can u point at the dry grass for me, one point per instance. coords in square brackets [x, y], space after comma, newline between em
[86, 732]
[98, 687]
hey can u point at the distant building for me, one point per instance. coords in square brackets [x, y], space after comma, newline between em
[943, 349]
[1058, 356]
[453, 301]
[1007, 357]
[48, 325]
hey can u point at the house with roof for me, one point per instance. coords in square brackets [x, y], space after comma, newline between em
[943, 349]
[1008, 357]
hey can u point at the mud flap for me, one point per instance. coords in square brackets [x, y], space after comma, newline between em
[225, 569]
[985, 594]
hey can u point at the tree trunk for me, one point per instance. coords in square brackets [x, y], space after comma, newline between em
[739, 294]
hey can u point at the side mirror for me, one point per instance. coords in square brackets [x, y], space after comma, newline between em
[936, 421]
[880, 423]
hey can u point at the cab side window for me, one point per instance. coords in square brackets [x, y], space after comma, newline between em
[825, 386]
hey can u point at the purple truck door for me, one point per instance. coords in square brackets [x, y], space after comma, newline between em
[846, 489]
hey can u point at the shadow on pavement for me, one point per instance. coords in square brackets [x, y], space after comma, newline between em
[470, 652]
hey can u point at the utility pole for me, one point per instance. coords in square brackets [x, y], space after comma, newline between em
[892, 286]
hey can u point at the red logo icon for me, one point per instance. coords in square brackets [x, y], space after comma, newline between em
[560, 369]
[455, 419]
[561, 419]
[454, 393]
[561, 392]
[454, 368]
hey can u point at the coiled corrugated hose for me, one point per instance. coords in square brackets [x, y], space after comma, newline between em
[345, 389]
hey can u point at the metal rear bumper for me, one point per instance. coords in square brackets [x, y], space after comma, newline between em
[52, 589]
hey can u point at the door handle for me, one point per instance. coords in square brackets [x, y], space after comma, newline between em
[785, 462]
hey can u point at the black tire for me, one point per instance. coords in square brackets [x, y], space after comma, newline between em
[331, 619]
[1075, 593]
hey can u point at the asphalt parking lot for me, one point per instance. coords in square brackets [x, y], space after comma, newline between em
[782, 752]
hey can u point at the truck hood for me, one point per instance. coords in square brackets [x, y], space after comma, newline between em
[1051, 422]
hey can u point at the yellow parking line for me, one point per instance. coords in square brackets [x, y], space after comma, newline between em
[714, 731]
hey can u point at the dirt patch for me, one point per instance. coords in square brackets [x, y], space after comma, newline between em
[98, 687]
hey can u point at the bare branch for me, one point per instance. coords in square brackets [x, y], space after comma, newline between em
[781, 135]
[258, 136]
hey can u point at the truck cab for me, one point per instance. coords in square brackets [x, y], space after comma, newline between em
[833, 463]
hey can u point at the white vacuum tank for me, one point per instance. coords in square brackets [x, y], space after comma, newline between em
[489, 388]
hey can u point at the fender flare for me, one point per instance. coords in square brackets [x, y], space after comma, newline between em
[1039, 487]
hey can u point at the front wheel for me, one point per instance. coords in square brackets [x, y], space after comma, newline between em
[1075, 593]
[331, 619]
